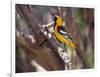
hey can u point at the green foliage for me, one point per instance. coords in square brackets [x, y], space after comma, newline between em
[80, 18]
[91, 59]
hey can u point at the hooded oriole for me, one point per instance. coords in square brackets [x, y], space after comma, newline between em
[61, 34]
[64, 37]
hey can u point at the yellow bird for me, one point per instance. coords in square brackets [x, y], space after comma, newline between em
[61, 34]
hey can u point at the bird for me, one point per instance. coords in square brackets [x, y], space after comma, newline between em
[61, 34]
[64, 37]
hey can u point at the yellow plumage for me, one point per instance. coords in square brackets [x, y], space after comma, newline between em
[60, 37]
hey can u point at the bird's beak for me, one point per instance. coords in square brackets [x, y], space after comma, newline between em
[54, 17]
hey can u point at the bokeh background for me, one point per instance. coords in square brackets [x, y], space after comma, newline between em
[34, 48]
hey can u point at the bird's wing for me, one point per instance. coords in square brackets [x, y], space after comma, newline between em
[63, 32]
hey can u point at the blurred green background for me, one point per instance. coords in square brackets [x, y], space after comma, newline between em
[79, 22]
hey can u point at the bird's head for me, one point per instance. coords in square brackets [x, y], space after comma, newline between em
[58, 20]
